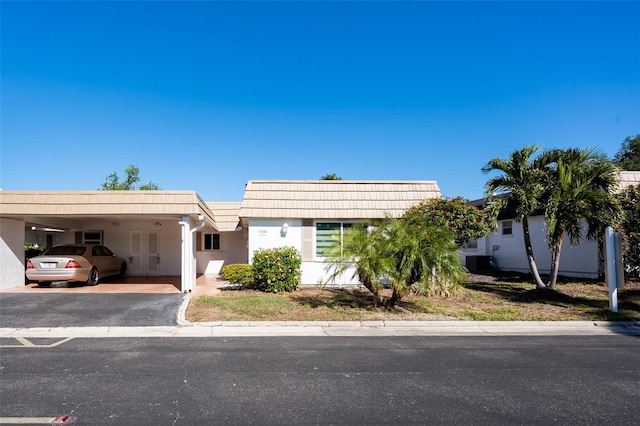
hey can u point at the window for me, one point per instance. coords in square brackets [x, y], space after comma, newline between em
[211, 242]
[470, 245]
[325, 234]
[92, 237]
[507, 227]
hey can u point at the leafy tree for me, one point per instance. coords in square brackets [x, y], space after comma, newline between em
[331, 176]
[581, 188]
[113, 183]
[628, 158]
[466, 221]
[629, 200]
[522, 182]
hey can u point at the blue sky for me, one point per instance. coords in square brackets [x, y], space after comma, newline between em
[208, 95]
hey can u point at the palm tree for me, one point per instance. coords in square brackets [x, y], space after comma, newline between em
[581, 190]
[356, 250]
[523, 182]
[425, 259]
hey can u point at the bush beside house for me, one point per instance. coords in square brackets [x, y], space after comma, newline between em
[237, 273]
[276, 270]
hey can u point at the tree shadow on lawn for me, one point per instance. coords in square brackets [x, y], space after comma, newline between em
[335, 298]
[514, 291]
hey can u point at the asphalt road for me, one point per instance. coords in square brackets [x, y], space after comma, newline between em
[82, 310]
[329, 380]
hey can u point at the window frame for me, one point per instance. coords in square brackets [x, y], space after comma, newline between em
[98, 241]
[211, 235]
[342, 224]
[465, 246]
[504, 228]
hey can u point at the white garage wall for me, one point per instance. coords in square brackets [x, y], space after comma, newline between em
[117, 238]
[11, 253]
[40, 237]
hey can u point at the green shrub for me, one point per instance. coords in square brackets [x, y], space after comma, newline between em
[237, 273]
[277, 269]
[32, 250]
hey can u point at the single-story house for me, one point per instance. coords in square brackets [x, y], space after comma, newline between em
[505, 246]
[303, 214]
[177, 233]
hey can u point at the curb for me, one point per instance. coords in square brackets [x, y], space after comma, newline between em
[336, 329]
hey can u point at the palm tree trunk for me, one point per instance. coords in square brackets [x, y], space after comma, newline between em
[555, 265]
[395, 298]
[532, 261]
[366, 282]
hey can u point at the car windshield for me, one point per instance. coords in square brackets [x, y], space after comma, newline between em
[65, 251]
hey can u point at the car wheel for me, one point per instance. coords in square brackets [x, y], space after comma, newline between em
[93, 277]
[123, 270]
[44, 283]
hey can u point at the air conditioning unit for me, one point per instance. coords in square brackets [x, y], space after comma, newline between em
[479, 263]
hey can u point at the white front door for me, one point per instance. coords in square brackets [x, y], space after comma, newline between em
[144, 253]
[153, 253]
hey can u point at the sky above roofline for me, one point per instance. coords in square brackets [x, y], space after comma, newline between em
[206, 96]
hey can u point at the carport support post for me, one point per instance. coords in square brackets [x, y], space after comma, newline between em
[188, 258]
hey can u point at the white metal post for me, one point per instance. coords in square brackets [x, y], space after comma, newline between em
[611, 268]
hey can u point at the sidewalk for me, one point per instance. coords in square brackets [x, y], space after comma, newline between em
[338, 328]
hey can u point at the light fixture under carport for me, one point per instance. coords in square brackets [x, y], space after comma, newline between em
[35, 228]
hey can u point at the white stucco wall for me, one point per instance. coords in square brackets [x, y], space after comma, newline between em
[11, 253]
[265, 233]
[233, 249]
[315, 273]
[508, 251]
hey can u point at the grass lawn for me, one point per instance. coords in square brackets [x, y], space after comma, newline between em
[481, 298]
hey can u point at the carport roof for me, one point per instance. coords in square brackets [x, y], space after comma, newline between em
[14, 204]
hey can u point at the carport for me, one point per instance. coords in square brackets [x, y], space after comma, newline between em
[153, 230]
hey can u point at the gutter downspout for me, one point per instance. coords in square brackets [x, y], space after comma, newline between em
[188, 259]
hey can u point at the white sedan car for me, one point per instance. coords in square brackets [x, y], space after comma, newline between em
[75, 262]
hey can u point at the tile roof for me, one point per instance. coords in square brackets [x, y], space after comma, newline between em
[227, 214]
[628, 178]
[333, 199]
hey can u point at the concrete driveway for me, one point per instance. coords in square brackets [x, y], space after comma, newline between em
[23, 310]
[158, 284]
